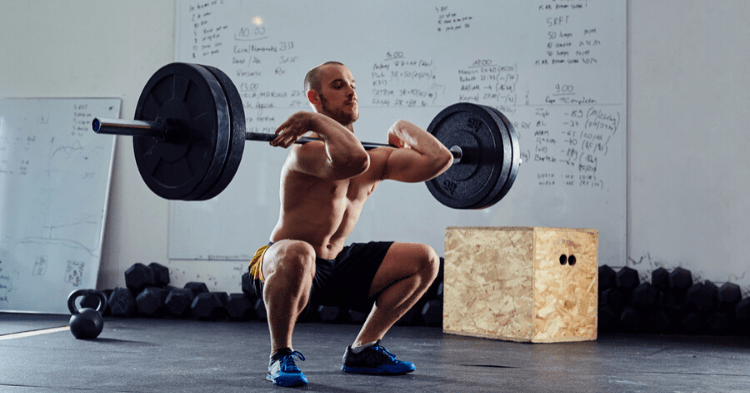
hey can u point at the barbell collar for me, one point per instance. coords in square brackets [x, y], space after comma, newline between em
[457, 154]
[156, 129]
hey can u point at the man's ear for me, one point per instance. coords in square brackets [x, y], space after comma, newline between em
[312, 97]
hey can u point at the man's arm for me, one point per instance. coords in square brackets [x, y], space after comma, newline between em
[339, 156]
[419, 157]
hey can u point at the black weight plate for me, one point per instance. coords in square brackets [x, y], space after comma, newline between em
[223, 141]
[188, 161]
[515, 158]
[237, 137]
[501, 157]
[466, 184]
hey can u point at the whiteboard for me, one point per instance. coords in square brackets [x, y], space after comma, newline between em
[556, 69]
[54, 186]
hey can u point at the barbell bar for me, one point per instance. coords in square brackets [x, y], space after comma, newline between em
[189, 132]
[159, 130]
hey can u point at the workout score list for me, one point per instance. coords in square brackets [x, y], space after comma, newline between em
[570, 129]
[555, 68]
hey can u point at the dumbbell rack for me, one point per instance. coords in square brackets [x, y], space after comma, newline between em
[671, 303]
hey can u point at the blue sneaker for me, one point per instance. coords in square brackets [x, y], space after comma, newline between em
[375, 360]
[282, 370]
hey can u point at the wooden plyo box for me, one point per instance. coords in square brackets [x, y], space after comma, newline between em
[521, 284]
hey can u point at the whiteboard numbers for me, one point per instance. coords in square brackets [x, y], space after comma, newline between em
[286, 45]
[250, 32]
[394, 55]
[564, 89]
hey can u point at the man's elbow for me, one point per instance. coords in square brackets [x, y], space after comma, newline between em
[443, 161]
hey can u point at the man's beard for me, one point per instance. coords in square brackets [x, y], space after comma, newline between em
[341, 116]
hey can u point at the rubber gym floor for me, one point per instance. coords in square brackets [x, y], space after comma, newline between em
[39, 354]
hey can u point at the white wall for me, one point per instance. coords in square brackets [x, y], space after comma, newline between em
[688, 100]
[688, 105]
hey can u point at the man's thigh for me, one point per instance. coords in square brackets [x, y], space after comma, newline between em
[402, 260]
[347, 281]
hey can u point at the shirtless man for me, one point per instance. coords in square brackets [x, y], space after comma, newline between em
[323, 188]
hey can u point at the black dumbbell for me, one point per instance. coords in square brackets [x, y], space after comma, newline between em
[432, 313]
[196, 287]
[627, 279]
[434, 292]
[607, 278]
[138, 277]
[247, 286]
[692, 323]
[260, 309]
[209, 306]
[410, 318]
[161, 274]
[615, 298]
[239, 307]
[630, 320]
[122, 303]
[332, 314]
[742, 313]
[357, 317]
[659, 322]
[729, 295]
[178, 302]
[680, 279]
[660, 279]
[150, 302]
[107, 293]
[674, 304]
[719, 323]
[608, 319]
[645, 297]
[703, 297]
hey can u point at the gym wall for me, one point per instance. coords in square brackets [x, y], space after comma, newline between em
[687, 103]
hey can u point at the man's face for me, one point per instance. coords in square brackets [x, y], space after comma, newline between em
[337, 97]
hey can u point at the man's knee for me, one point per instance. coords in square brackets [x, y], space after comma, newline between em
[429, 261]
[294, 259]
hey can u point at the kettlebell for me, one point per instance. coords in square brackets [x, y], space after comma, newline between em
[86, 323]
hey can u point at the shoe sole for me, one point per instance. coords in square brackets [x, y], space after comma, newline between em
[381, 370]
[288, 380]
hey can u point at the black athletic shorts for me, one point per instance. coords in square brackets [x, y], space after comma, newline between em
[345, 281]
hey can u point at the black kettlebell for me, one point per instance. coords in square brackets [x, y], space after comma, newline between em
[86, 323]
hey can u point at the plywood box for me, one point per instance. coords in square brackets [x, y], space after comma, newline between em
[521, 284]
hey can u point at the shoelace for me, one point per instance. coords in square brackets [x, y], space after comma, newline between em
[287, 362]
[384, 351]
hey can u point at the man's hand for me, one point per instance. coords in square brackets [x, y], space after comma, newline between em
[396, 141]
[338, 155]
[293, 128]
[397, 136]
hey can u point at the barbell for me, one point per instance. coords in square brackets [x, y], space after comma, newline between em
[189, 136]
